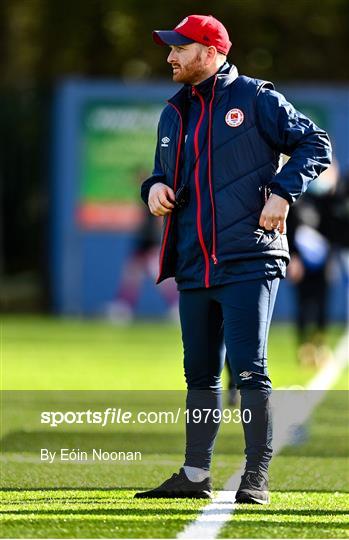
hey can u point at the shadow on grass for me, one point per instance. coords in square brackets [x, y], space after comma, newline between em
[165, 511]
[142, 488]
[102, 511]
[291, 511]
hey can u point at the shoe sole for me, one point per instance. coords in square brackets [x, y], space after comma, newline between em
[203, 495]
[251, 500]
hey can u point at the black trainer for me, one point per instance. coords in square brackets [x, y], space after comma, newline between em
[179, 486]
[253, 488]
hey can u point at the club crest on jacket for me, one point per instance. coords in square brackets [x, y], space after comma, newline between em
[234, 117]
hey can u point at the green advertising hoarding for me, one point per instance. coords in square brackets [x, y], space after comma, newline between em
[116, 154]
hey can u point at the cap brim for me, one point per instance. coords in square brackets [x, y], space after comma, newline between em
[170, 37]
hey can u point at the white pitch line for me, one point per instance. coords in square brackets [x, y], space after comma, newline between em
[214, 515]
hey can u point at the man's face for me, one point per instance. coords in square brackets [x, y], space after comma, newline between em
[188, 63]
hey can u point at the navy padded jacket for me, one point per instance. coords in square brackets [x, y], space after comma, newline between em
[242, 160]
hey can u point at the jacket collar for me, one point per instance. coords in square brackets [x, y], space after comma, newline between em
[226, 75]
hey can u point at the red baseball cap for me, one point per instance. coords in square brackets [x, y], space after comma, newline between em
[203, 29]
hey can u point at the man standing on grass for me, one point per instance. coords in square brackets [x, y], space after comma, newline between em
[216, 182]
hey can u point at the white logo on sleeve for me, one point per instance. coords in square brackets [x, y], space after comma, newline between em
[182, 23]
[234, 117]
[165, 141]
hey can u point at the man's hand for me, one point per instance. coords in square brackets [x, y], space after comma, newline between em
[160, 200]
[274, 213]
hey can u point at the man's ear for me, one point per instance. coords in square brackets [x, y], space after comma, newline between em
[211, 54]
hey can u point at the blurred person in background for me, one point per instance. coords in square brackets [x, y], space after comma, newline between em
[317, 225]
[216, 181]
[140, 265]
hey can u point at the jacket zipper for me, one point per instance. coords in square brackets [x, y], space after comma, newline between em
[197, 188]
[214, 235]
[168, 223]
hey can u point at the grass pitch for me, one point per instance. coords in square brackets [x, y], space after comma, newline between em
[47, 353]
[308, 479]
